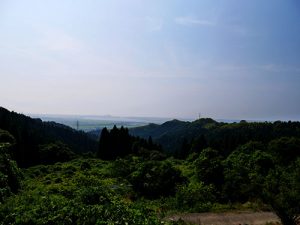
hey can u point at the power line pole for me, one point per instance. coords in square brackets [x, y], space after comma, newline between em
[77, 124]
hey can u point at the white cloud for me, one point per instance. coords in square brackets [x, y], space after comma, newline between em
[154, 24]
[272, 68]
[191, 21]
[60, 41]
[277, 68]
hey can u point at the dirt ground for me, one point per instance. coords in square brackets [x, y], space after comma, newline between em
[228, 218]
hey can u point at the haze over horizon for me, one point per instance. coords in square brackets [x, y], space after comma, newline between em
[226, 59]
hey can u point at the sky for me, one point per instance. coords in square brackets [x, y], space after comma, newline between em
[225, 59]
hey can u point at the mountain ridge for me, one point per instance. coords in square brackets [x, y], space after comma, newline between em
[31, 133]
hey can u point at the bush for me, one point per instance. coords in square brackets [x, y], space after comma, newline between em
[209, 169]
[10, 174]
[195, 197]
[82, 197]
[154, 179]
[55, 152]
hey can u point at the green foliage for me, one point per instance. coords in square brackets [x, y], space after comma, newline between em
[55, 152]
[224, 137]
[184, 150]
[31, 133]
[53, 195]
[227, 166]
[118, 143]
[245, 170]
[252, 173]
[199, 144]
[209, 168]
[6, 137]
[10, 174]
[123, 167]
[281, 191]
[285, 149]
[171, 134]
[154, 179]
[195, 197]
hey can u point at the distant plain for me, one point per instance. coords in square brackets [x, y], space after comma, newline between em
[90, 122]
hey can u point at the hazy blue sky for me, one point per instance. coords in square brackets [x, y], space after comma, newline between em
[173, 58]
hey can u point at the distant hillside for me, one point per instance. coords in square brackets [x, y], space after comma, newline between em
[172, 134]
[177, 135]
[30, 134]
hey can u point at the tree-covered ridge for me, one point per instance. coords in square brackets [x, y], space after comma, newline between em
[32, 135]
[181, 137]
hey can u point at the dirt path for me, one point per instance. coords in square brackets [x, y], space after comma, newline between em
[228, 218]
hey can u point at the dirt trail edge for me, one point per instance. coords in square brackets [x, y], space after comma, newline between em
[228, 218]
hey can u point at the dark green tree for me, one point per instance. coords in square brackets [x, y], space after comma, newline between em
[184, 149]
[199, 144]
[118, 143]
[209, 168]
[285, 149]
[104, 145]
[154, 179]
[55, 152]
[244, 172]
[10, 174]
[282, 192]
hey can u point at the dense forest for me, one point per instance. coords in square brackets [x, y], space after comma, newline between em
[35, 139]
[141, 175]
[176, 136]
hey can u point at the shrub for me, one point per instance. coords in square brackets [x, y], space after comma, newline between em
[10, 174]
[154, 179]
[195, 197]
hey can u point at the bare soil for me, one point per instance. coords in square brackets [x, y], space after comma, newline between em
[228, 218]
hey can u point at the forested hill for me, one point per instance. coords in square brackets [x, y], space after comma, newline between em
[186, 137]
[32, 134]
[175, 133]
